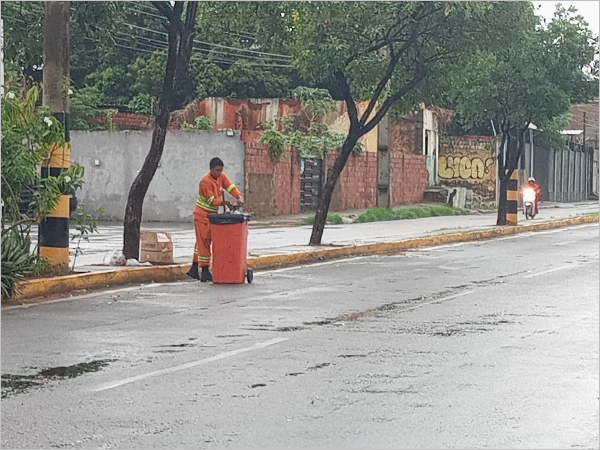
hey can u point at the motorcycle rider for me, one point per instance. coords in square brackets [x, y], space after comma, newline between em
[531, 183]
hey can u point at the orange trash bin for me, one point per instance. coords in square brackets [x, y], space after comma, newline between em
[230, 248]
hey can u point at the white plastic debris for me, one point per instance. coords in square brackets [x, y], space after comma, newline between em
[135, 262]
[114, 258]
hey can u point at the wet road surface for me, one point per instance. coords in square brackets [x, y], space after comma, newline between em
[480, 345]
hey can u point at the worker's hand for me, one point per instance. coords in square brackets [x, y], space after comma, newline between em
[240, 202]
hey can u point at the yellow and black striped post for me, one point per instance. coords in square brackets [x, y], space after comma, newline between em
[512, 199]
[54, 229]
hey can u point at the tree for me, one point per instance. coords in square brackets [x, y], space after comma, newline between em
[388, 53]
[181, 30]
[93, 24]
[529, 74]
[306, 130]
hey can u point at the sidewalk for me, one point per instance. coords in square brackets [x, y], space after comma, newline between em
[275, 242]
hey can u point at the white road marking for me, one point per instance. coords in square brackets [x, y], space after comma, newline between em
[114, 384]
[556, 269]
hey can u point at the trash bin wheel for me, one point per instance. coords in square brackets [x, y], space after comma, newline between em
[249, 275]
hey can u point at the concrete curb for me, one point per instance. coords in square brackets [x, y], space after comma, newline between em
[41, 287]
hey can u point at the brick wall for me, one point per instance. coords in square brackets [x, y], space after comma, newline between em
[126, 121]
[408, 178]
[405, 135]
[357, 184]
[271, 189]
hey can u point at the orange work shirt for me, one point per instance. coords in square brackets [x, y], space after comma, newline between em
[210, 195]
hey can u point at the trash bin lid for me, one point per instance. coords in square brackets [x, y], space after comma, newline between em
[228, 218]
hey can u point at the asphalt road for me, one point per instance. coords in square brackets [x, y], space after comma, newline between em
[481, 345]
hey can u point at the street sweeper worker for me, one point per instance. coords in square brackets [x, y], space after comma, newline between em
[210, 197]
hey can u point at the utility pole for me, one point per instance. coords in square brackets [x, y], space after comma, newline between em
[54, 230]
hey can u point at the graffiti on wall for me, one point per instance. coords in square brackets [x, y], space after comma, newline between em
[465, 167]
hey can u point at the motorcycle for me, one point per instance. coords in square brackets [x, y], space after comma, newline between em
[529, 198]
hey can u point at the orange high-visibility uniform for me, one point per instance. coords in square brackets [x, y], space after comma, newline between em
[210, 197]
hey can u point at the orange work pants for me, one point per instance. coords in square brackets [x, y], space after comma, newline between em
[203, 237]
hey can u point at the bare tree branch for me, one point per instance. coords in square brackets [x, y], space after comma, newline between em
[391, 100]
[394, 58]
[347, 93]
[165, 9]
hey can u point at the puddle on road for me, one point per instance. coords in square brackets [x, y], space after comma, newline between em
[17, 384]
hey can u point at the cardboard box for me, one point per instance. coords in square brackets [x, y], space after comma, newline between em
[155, 241]
[165, 257]
[156, 247]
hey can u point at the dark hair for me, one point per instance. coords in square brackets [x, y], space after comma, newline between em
[216, 162]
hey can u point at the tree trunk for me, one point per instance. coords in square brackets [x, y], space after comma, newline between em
[502, 180]
[332, 177]
[135, 201]
[180, 38]
[501, 219]
[507, 165]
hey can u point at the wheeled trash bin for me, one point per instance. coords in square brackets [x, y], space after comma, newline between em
[230, 248]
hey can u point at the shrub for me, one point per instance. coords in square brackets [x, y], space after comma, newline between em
[17, 260]
[201, 123]
[332, 219]
[410, 212]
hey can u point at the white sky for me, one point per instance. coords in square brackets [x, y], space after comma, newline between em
[589, 10]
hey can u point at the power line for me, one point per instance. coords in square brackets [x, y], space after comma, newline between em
[149, 48]
[146, 13]
[208, 52]
[155, 45]
[275, 55]
[141, 5]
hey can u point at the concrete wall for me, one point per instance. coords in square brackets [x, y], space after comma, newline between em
[172, 193]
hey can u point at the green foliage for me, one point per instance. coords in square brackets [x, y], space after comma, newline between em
[276, 141]
[84, 108]
[307, 130]
[17, 260]
[332, 219]
[93, 27]
[113, 83]
[525, 73]
[243, 80]
[201, 123]
[147, 73]
[142, 103]
[413, 212]
[27, 132]
[550, 137]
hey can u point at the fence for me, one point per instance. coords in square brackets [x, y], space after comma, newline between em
[565, 175]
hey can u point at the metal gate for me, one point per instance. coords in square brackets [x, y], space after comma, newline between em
[311, 184]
